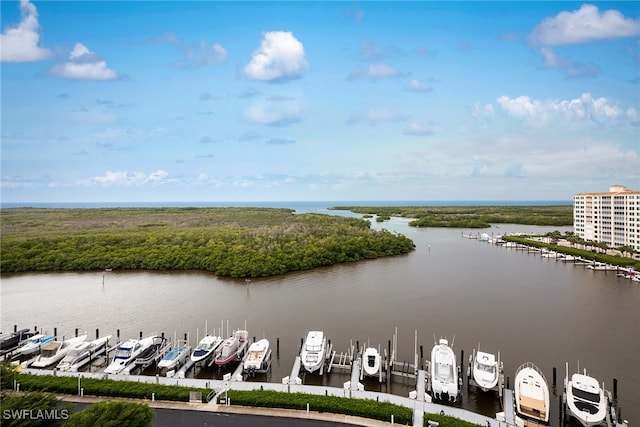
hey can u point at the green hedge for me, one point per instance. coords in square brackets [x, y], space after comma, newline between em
[333, 404]
[105, 387]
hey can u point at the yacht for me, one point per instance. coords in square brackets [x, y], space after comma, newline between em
[485, 369]
[174, 358]
[257, 356]
[83, 353]
[313, 351]
[232, 348]
[128, 352]
[13, 340]
[585, 399]
[34, 344]
[205, 348]
[371, 361]
[532, 394]
[54, 351]
[444, 373]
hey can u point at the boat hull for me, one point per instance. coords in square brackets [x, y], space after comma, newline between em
[371, 361]
[531, 394]
[256, 355]
[485, 370]
[585, 400]
[444, 374]
[313, 351]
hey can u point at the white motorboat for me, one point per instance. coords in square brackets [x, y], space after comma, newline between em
[54, 351]
[444, 373]
[83, 353]
[175, 357]
[585, 399]
[34, 344]
[371, 361]
[206, 348]
[127, 353]
[313, 351]
[232, 348]
[257, 356]
[531, 394]
[485, 369]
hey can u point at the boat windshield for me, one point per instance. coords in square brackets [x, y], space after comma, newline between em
[486, 368]
[204, 346]
[585, 395]
[314, 347]
[123, 353]
[50, 352]
[371, 360]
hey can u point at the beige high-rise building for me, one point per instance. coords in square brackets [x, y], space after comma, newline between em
[611, 217]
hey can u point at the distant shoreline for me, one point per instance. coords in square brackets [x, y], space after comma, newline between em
[288, 203]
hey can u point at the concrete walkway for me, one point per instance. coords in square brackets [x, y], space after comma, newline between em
[418, 406]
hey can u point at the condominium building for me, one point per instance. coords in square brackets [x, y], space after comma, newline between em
[611, 217]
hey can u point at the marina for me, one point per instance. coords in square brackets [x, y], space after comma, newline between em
[437, 381]
[424, 293]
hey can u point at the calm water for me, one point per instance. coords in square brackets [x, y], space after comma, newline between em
[527, 307]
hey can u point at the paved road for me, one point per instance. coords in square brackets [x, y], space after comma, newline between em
[176, 417]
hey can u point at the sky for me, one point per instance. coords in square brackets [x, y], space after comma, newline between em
[154, 101]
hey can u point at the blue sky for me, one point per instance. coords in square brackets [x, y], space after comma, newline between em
[267, 101]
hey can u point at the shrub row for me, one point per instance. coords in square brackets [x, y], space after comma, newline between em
[340, 405]
[104, 387]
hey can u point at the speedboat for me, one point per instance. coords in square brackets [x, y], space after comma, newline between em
[54, 351]
[532, 394]
[444, 374]
[232, 348]
[175, 357]
[83, 353]
[585, 399]
[371, 361]
[13, 340]
[256, 356]
[128, 352]
[486, 369]
[205, 348]
[35, 344]
[313, 351]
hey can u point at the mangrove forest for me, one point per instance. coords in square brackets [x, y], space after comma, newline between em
[471, 216]
[232, 242]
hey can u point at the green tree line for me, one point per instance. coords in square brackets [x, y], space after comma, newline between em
[234, 242]
[471, 216]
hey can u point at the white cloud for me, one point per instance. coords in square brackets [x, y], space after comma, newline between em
[21, 42]
[125, 179]
[279, 113]
[280, 56]
[483, 112]
[202, 54]
[571, 69]
[83, 65]
[584, 25]
[417, 129]
[415, 85]
[375, 71]
[585, 108]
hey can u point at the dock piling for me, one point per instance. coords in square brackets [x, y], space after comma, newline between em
[97, 333]
[615, 389]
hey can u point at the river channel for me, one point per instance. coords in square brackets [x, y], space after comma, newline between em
[526, 307]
